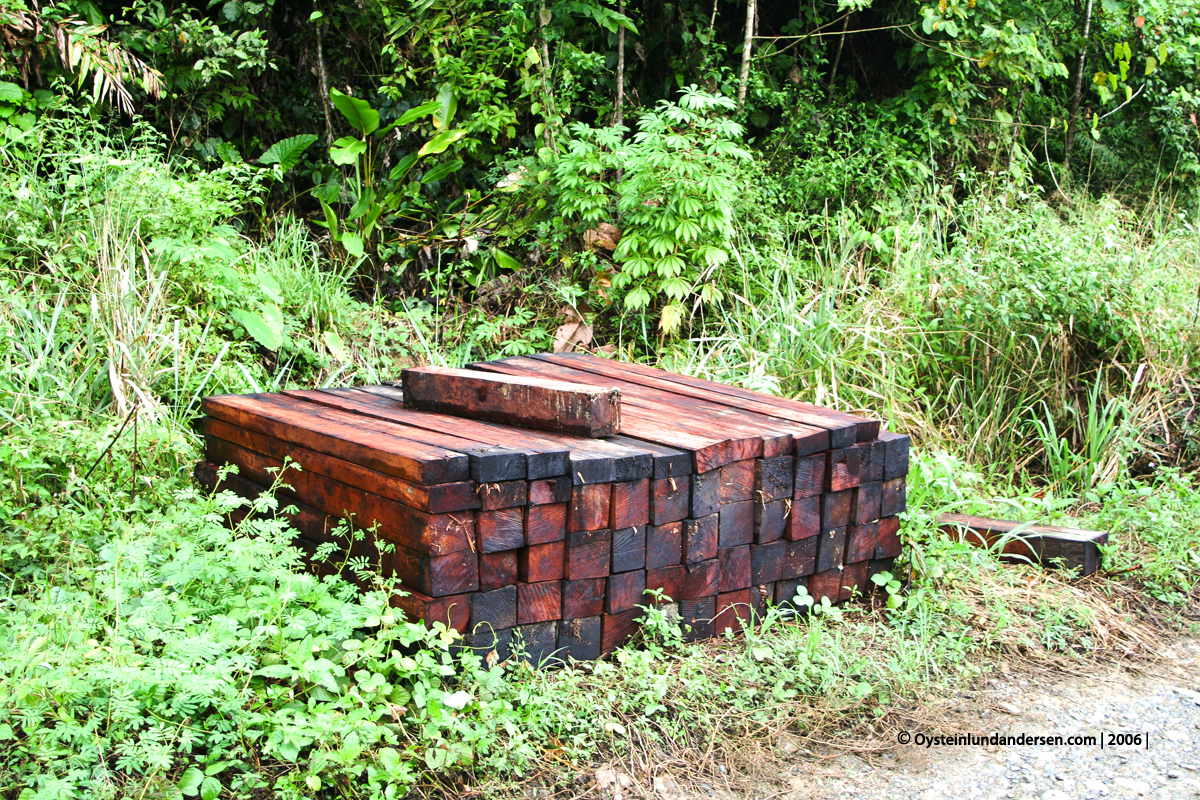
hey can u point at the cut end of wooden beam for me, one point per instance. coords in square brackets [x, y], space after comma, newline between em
[540, 403]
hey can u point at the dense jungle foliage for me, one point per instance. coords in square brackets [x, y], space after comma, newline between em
[976, 219]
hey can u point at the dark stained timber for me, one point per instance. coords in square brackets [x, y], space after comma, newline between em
[453, 612]
[895, 455]
[548, 491]
[706, 493]
[697, 617]
[670, 500]
[1052, 545]
[773, 479]
[766, 562]
[629, 549]
[664, 545]
[625, 591]
[500, 530]
[737, 481]
[893, 498]
[546, 523]
[587, 554]
[735, 569]
[539, 602]
[831, 549]
[497, 569]
[668, 580]
[537, 644]
[506, 494]
[616, 629]
[836, 508]
[771, 520]
[866, 505]
[701, 580]
[541, 562]
[805, 519]
[887, 545]
[736, 524]
[700, 539]
[799, 559]
[583, 598]
[580, 638]
[497, 608]
[861, 541]
[810, 475]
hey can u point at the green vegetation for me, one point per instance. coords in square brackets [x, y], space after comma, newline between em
[905, 208]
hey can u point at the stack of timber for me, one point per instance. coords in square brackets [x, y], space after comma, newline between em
[535, 501]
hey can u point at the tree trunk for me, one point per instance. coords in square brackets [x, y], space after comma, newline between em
[547, 86]
[1077, 94]
[747, 47]
[323, 78]
[838, 58]
[619, 115]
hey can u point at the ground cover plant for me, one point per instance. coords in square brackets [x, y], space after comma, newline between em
[920, 211]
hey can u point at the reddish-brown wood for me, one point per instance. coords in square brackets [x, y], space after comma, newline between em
[453, 612]
[810, 475]
[625, 591]
[771, 520]
[1047, 544]
[497, 608]
[436, 576]
[670, 500]
[774, 479]
[854, 579]
[436, 534]
[668, 580]
[539, 602]
[735, 569]
[545, 523]
[861, 541]
[826, 584]
[548, 491]
[701, 579]
[766, 562]
[736, 524]
[805, 519]
[737, 481]
[288, 422]
[697, 617]
[580, 638]
[432, 499]
[630, 504]
[590, 507]
[506, 494]
[831, 549]
[866, 504]
[844, 468]
[895, 455]
[583, 598]
[539, 403]
[706, 493]
[587, 555]
[628, 549]
[893, 498]
[497, 569]
[835, 509]
[700, 537]
[845, 428]
[541, 562]
[664, 545]
[733, 611]
[887, 545]
[500, 530]
[617, 629]
[873, 455]
[799, 558]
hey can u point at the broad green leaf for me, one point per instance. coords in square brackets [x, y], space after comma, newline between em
[442, 170]
[402, 168]
[389, 758]
[11, 92]
[286, 152]
[210, 789]
[260, 327]
[336, 346]
[189, 784]
[439, 143]
[357, 112]
[458, 700]
[345, 151]
[414, 114]
[1151, 65]
[353, 244]
[269, 286]
[447, 104]
[362, 204]
[6, 732]
[504, 260]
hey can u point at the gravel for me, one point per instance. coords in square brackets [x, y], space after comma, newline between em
[1165, 705]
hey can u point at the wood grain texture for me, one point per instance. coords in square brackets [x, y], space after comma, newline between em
[625, 591]
[630, 504]
[831, 549]
[895, 458]
[844, 468]
[799, 558]
[670, 500]
[766, 562]
[539, 403]
[809, 475]
[537, 644]
[771, 521]
[580, 638]
[436, 534]
[737, 481]
[590, 507]
[500, 530]
[887, 544]
[854, 580]
[505, 494]
[432, 499]
[289, 422]
[894, 497]
[546, 523]
[826, 584]
[736, 525]
[541, 562]
[583, 598]
[697, 615]
[664, 545]
[628, 549]
[1072, 548]
[497, 608]
[668, 580]
[669, 462]
[735, 569]
[866, 504]
[497, 569]
[774, 479]
[453, 612]
[436, 576]
[539, 602]
[873, 457]
[616, 629]
[861, 541]
[587, 555]
[548, 491]
[836, 508]
[705, 493]
[805, 519]
[733, 611]
[701, 579]
[700, 539]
